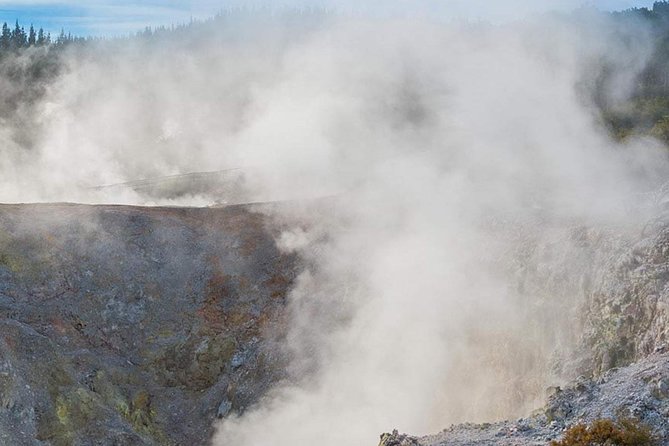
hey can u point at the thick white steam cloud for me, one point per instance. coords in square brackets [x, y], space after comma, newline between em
[447, 153]
[455, 146]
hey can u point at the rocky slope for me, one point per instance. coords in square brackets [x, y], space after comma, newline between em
[640, 391]
[139, 326]
[621, 281]
[135, 326]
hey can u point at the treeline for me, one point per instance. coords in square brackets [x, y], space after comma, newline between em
[19, 38]
[654, 80]
[659, 12]
[16, 38]
[647, 111]
[32, 59]
[29, 63]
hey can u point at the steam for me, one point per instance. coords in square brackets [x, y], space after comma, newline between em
[452, 163]
[458, 148]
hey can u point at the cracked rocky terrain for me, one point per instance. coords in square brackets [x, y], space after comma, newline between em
[135, 326]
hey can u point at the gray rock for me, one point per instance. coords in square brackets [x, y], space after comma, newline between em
[133, 316]
[224, 408]
[626, 393]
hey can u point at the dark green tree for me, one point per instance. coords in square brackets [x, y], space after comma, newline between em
[19, 39]
[5, 37]
[41, 38]
[32, 36]
[62, 38]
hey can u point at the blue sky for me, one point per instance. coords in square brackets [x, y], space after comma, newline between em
[100, 17]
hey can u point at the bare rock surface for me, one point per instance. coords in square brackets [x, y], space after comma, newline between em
[627, 312]
[135, 326]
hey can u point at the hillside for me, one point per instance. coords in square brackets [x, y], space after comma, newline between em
[135, 326]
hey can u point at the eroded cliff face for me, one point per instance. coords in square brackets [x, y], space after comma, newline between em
[135, 326]
[611, 361]
[628, 309]
[613, 282]
[608, 285]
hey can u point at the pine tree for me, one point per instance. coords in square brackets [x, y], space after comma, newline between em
[41, 38]
[62, 38]
[18, 39]
[5, 37]
[32, 36]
